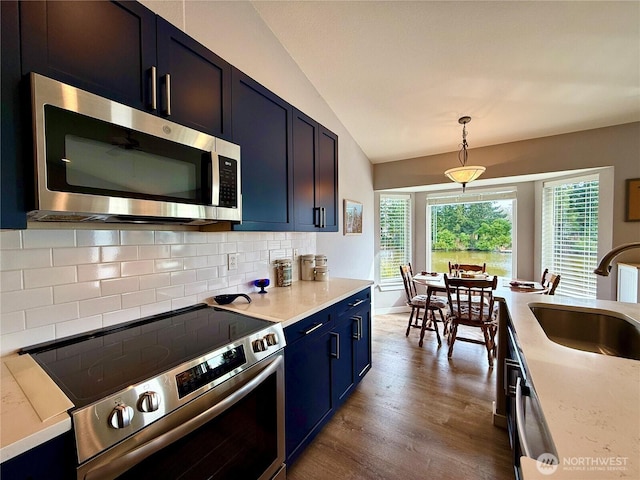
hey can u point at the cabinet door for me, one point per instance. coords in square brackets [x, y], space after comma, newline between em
[262, 127]
[343, 376]
[363, 342]
[194, 84]
[305, 136]
[16, 170]
[307, 388]
[327, 178]
[103, 47]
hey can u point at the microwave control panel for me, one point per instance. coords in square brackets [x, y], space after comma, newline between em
[228, 182]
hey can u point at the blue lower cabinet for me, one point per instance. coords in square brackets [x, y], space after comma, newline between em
[53, 460]
[327, 354]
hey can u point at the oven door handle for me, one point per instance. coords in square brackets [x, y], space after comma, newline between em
[121, 464]
[520, 419]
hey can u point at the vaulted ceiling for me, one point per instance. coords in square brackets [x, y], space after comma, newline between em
[399, 74]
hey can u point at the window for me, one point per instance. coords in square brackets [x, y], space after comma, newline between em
[395, 235]
[570, 234]
[472, 228]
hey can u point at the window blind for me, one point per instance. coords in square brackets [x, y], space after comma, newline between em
[395, 235]
[570, 234]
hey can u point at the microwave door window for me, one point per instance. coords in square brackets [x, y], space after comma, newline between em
[115, 168]
[85, 155]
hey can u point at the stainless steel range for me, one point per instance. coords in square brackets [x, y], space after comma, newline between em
[194, 393]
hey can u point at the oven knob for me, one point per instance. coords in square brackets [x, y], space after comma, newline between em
[259, 345]
[149, 402]
[271, 339]
[121, 416]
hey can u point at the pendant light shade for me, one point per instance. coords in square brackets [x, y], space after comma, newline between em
[465, 173]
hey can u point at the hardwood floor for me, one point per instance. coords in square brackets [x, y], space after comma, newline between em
[415, 415]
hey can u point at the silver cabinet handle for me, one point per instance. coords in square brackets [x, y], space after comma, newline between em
[314, 328]
[317, 217]
[154, 88]
[167, 92]
[323, 218]
[337, 354]
[356, 303]
[358, 334]
[520, 419]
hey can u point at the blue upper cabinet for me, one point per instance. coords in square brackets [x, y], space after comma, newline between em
[124, 52]
[262, 127]
[106, 48]
[315, 184]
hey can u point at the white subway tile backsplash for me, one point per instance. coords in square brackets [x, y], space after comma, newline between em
[98, 271]
[140, 267]
[169, 265]
[96, 306]
[184, 250]
[137, 237]
[169, 238]
[47, 277]
[75, 256]
[118, 254]
[147, 252]
[119, 285]
[136, 299]
[12, 322]
[20, 259]
[12, 342]
[10, 239]
[157, 280]
[77, 291]
[97, 238]
[81, 325]
[53, 238]
[25, 299]
[10, 281]
[51, 288]
[52, 314]
[125, 315]
[180, 278]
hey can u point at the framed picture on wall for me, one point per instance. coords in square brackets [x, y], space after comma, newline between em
[352, 217]
[633, 200]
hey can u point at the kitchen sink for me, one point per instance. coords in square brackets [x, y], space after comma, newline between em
[598, 331]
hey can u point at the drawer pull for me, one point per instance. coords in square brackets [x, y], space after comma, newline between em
[356, 303]
[315, 327]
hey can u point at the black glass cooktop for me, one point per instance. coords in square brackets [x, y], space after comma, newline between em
[97, 364]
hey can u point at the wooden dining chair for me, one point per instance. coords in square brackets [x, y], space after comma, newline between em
[471, 303]
[418, 302]
[467, 267]
[550, 281]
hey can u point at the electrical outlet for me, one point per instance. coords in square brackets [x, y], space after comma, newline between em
[232, 261]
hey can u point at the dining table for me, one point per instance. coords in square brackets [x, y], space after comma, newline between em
[434, 283]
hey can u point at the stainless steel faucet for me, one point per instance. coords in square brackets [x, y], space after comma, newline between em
[604, 267]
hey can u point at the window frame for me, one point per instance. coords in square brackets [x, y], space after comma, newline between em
[396, 279]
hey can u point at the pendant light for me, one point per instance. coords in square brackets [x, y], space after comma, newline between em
[466, 173]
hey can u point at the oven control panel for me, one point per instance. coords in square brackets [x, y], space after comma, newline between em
[206, 372]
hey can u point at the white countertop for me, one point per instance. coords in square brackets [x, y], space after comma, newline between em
[591, 402]
[290, 304]
[22, 429]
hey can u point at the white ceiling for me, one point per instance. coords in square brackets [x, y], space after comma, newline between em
[399, 74]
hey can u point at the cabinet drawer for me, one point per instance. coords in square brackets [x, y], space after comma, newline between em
[314, 324]
[353, 302]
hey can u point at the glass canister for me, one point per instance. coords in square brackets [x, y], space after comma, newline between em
[307, 264]
[283, 272]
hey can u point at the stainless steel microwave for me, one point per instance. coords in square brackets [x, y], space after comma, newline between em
[100, 161]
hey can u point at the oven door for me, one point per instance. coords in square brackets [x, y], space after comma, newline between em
[233, 431]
